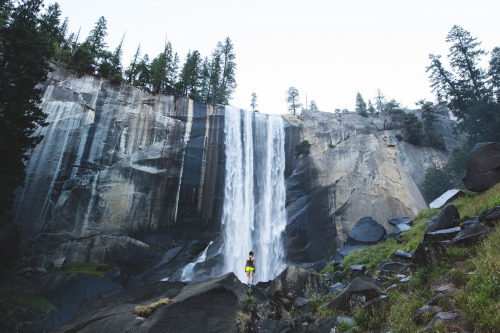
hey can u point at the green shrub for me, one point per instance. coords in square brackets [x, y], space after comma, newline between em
[302, 148]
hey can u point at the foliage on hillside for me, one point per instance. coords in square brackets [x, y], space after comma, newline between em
[480, 298]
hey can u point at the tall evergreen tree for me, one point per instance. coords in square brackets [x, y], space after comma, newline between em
[465, 87]
[87, 56]
[313, 106]
[361, 105]
[25, 49]
[292, 98]
[131, 71]
[190, 77]
[371, 110]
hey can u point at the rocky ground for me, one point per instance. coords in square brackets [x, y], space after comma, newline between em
[298, 300]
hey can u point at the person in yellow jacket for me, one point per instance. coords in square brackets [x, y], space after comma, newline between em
[250, 268]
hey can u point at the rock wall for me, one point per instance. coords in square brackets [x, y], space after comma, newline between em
[137, 179]
[121, 174]
[354, 169]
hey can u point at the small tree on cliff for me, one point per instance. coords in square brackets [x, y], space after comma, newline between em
[292, 98]
[313, 106]
[253, 102]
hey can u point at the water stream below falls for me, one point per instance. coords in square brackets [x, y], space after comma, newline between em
[254, 215]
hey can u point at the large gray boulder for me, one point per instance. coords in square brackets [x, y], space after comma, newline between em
[209, 306]
[366, 231]
[296, 282]
[448, 217]
[483, 167]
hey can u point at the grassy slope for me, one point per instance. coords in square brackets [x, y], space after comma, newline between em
[480, 300]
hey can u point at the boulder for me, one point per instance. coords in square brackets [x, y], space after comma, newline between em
[323, 325]
[445, 198]
[302, 305]
[209, 306]
[471, 234]
[401, 228]
[400, 255]
[296, 282]
[361, 286]
[428, 254]
[483, 167]
[70, 293]
[442, 234]
[345, 251]
[268, 326]
[357, 271]
[490, 216]
[401, 220]
[366, 231]
[424, 312]
[448, 217]
[393, 267]
[451, 320]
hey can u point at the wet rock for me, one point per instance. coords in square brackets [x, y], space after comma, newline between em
[482, 167]
[362, 286]
[441, 235]
[424, 312]
[268, 326]
[428, 254]
[401, 255]
[366, 231]
[302, 305]
[401, 220]
[448, 217]
[357, 271]
[471, 234]
[393, 267]
[490, 216]
[451, 320]
[295, 282]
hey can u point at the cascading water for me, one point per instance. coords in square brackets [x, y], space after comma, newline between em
[254, 195]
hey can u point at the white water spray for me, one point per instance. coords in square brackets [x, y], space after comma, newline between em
[254, 195]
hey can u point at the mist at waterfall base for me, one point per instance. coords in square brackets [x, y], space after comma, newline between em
[254, 216]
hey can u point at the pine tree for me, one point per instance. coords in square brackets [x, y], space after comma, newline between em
[313, 106]
[131, 71]
[253, 102]
[361, 105]
[87, 56]
[25, 49]
[292, 98]
[371, 110]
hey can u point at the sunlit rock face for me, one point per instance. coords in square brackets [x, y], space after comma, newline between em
[117, 171]
[354, 169]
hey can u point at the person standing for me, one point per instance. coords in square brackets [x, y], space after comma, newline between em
[250, 268]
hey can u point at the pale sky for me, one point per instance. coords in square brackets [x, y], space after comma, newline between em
[327, 49]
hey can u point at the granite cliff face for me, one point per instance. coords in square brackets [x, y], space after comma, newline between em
[120, 175]
[137, 179]
[354, 169]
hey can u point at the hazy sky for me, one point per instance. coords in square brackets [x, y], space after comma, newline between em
[327, 49]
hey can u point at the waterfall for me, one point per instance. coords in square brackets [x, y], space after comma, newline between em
[253, 215]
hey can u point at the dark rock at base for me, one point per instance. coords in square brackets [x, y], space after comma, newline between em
[448, 217]
[345, 251]
[295, 282]
[338, 276]
[490, 216]
[400, 220]
[357, 271]
[428, 254]
[322, 325]
[401, 255]
[270, 326]
[302, 305]
[470, 235]
[401, 228]
[451, 320]
[393, 267]
[362, 286]
[483, 169]
[70, 293]
[366, 231]
[424, 312]
[376, 304]
[441, 235]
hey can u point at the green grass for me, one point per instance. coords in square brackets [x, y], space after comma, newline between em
[19, 299]
[91, 269]
[37, 302]
[480, 299]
